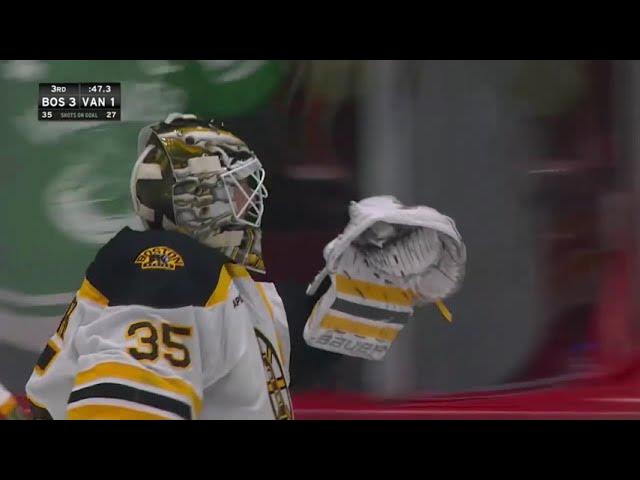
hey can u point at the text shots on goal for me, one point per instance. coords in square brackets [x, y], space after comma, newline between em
[79, 101]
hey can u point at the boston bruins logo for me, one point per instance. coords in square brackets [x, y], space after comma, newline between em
[276, 382]
[159, 258]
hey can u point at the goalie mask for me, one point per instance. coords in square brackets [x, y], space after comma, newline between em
[195, 178]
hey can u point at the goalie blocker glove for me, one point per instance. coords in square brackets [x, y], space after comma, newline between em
[389, 259]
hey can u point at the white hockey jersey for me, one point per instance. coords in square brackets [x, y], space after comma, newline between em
[165, 328]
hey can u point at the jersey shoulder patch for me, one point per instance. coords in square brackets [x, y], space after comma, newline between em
[155, 268]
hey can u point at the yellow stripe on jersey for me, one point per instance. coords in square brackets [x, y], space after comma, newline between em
[270, 310]
[265, 299]
[91, 293]
[221, 292]
[236, 271]
[110, 412]
[7, 407]
[142, 376]
[364, 330]
[35, 402]
[373, 291]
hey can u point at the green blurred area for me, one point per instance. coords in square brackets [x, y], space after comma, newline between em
[64, 187]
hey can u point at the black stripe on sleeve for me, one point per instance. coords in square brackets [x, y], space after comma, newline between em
[131, 394]
[46, 357]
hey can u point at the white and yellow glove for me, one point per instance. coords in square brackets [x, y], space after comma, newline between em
[9, 407]
[389, 259]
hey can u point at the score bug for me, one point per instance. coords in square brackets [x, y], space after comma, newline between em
[79, 101]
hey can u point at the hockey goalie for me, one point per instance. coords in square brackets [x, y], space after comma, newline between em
[169, 322]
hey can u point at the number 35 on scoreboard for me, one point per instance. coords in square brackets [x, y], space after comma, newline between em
[79, 101]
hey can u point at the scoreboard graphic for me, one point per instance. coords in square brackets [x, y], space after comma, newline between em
[79, 101]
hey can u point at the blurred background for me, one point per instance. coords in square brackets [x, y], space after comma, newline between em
[537, 162]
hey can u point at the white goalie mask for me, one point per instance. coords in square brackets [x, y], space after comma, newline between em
[196, 178]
